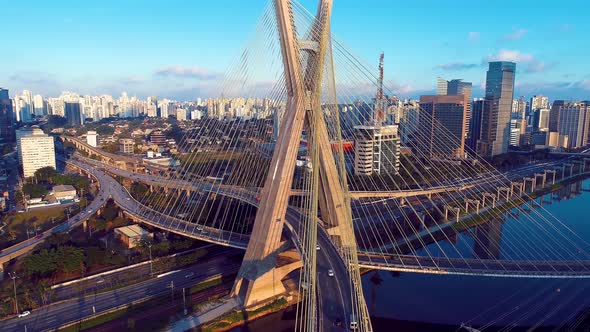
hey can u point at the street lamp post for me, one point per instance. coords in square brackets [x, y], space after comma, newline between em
[13, 276]
[151, 261]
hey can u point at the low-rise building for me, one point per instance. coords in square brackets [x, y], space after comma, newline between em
[126, 145]
[132, 235]
[64, 192]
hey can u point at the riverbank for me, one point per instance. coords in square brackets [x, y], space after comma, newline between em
[240, 317]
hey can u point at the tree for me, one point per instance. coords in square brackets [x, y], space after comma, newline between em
[45, 291]
[19, 197]
[138, 190]
[45, 174]
[57, 240]
[41, 264]
[54, 121]
[34, 190]
[70, 259]
[111, 147]
[109, 212]
[105, 130]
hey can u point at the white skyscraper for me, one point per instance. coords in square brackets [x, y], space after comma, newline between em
[39, 105]
[35, 150]
[196, 115]
[181, 114]
[92, 138]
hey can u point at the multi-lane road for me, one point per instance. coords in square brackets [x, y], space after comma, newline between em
[25, 246]
[54, 315]
[335, 291]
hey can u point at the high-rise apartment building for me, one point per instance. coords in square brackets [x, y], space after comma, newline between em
[541, 119]
[457, 87]
[442, 125]
[181, 114]
[39, 105]
[538, 102]
[152, 107]
[519, 108]
[376, 150]
[23, 106]
[6, 117]
[73, 113]
[574, 122]
[495, 128]
[35, 150]
[517, 129]
[554, 115]
[475, 124]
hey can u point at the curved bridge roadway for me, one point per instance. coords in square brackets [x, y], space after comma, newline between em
[335, 291]
[550, 269]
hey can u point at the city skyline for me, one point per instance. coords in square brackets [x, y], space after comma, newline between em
[172, 59]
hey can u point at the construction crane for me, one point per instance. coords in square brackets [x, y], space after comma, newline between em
[379, 111]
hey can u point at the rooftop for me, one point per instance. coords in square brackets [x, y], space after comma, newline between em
[63, 187]
[132, 231]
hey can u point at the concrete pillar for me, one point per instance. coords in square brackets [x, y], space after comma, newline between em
[422, 218]
[518, 185]
[532, 181]
[454, 209]
[552, 172]
[581, 163]
[492, 197]
[543, 178]
[562, 169]
[571, 167]
[504, 189]
[472, 201]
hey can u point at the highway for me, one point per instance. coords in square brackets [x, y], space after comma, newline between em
[335, 291]
[54, 315]
[126, 275]
[25, 246]
[334, 297]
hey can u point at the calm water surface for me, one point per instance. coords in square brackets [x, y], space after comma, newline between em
[422, 302]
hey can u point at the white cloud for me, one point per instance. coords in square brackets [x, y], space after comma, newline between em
[473, 36]
[187, 72]
[516, 35]
[529, 62]
[457, 66]
[511, 55]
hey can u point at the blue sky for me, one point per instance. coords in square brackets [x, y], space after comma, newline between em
[176, 48]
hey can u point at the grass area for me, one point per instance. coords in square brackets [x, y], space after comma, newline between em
[87, 324]
[43, 218]
[236, 317]
[215, 281]
[123, 312]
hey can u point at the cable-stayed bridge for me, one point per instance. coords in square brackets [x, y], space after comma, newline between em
[301, 209]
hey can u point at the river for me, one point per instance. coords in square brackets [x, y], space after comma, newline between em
[424, 302]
